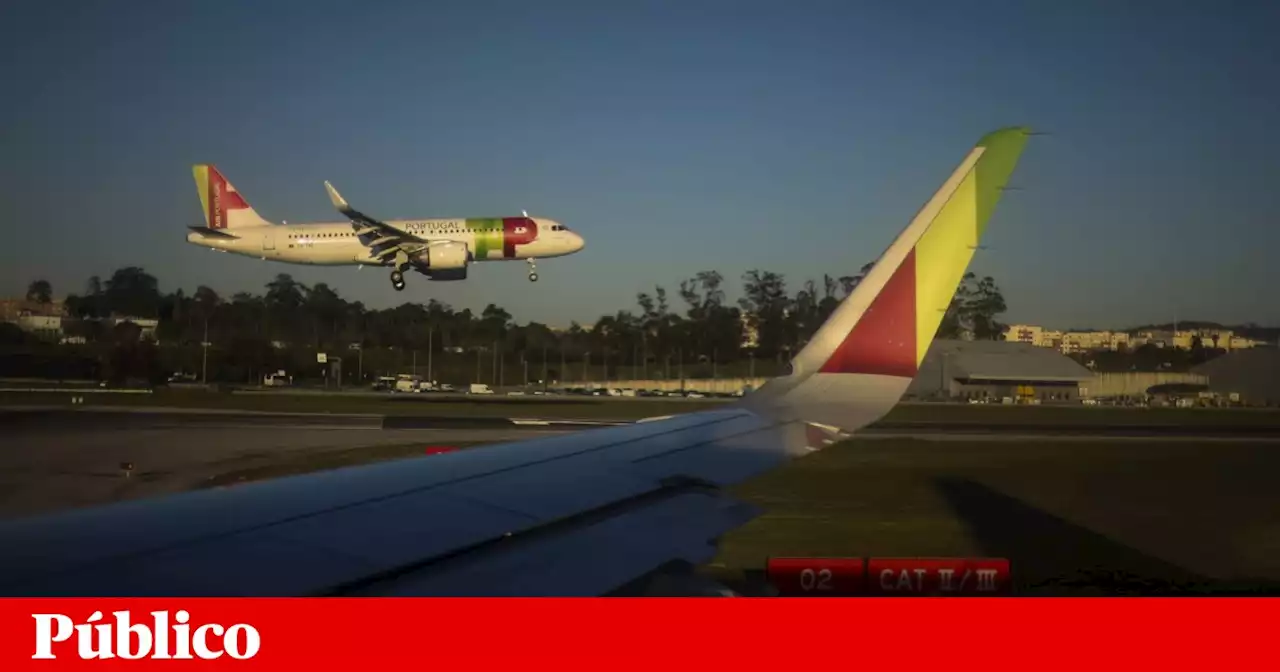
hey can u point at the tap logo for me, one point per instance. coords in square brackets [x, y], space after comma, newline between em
[517, 231]
[164, 638]
[222, 199]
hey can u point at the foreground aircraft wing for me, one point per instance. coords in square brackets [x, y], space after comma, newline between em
[588, 513]
[383, 240]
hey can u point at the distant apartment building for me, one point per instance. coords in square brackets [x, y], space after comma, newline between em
[1085, 341]
[146, 325]
[1035, 335]
[42, 320]
[750, 335]
[49, 321]
[1242, 343]
[12, 309]
[46, 327]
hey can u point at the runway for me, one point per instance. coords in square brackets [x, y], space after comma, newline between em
[54, 458]
[57, 460]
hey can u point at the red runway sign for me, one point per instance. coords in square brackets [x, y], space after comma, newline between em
[886, 577]
[831, 577]
[938, 576]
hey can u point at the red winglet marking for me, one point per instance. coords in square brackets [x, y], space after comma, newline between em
[883, 342]
[222, 199]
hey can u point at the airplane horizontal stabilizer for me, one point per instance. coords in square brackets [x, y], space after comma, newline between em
[206, 232]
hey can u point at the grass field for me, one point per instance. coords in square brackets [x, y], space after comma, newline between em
[1074, 518]
[635, 408]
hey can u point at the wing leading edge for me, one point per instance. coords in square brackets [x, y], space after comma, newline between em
[578, 514]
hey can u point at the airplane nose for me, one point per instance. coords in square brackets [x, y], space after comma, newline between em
[578, 242]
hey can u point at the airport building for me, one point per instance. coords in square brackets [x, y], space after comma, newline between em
[1253, 374]
[996, 370]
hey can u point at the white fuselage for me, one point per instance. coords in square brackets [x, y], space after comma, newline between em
[335, 244]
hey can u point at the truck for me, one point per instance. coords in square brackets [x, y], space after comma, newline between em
[407, 383]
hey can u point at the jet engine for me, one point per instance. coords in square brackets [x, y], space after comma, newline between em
[448, 274]
[450, 256]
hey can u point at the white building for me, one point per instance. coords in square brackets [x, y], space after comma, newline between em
[1085, 341]
[146, 325]
[750, 335]
[48, 327]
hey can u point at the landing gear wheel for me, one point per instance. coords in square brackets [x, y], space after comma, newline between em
[533, 271]
[397, 280]
[533, 277]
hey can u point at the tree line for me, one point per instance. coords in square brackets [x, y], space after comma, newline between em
[694, 332]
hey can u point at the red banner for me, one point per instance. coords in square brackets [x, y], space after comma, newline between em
[759, 633]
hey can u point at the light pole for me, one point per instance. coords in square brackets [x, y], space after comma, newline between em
[204, 354]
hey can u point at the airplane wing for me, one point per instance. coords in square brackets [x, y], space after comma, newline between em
[383, 240]
[587, 513]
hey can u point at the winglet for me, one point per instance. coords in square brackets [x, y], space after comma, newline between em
[861, 360]
[338, 201]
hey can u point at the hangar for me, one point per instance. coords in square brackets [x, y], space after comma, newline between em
[1254, 374]
[993, 370]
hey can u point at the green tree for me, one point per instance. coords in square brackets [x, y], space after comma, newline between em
[40, 291]
[325, 311]
[974, 311]
[130, 292]
[767, 307]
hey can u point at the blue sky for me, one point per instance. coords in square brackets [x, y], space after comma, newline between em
[676, 136]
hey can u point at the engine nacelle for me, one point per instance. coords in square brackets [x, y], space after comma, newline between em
[450, 256]
[448, 274]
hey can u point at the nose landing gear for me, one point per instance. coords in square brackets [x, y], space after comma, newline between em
[397, 280]
[533, 271]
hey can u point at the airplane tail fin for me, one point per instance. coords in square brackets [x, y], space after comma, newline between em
[224, 207]
[861, 360]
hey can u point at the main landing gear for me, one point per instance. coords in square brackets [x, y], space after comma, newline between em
[533, 271]
[397, 280]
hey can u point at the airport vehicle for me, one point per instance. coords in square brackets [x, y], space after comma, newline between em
[615, 510]
[440, 249]
[277, 379]
[408, 383]
[479, 388]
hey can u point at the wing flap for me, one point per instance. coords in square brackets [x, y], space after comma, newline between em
[586, 560]
[381, 238]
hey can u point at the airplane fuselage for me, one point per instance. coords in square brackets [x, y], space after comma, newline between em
[335, 243]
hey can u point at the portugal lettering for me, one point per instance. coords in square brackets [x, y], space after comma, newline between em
[164, 638]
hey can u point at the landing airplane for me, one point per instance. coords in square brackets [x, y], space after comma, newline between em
[440, 249]
[620, 510]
